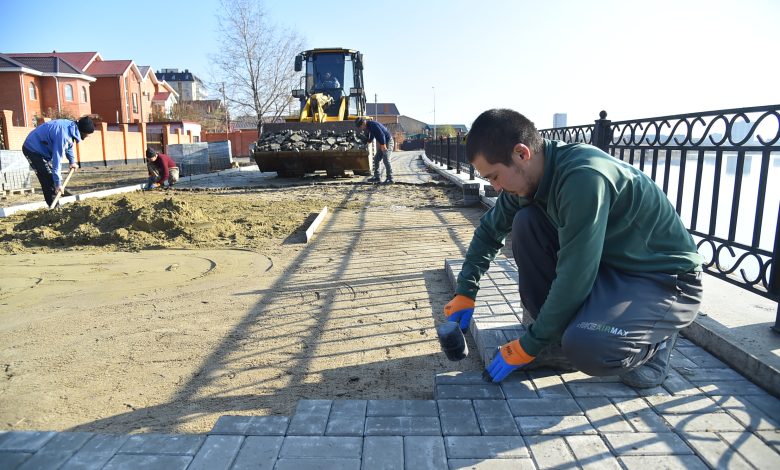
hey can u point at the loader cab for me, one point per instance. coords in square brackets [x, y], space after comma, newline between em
[335, 72]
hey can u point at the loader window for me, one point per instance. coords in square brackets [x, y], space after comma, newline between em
[321, 64]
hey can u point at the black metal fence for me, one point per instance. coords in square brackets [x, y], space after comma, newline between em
[450, 151]
[721, 171]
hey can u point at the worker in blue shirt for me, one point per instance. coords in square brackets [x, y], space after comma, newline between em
[46, 145]
[384, 144]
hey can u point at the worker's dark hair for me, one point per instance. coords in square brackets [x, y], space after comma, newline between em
[496, 132]
[150, 153]
[86, 126]
[360, 121]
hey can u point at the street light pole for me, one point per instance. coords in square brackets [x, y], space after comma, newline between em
[434, 112]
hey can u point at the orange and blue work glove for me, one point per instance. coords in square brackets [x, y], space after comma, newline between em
[460, 309]
[510, 356]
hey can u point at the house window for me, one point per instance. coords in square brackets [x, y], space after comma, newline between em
[33, 94]
[135, 102]
[68, 92]
[84, 94]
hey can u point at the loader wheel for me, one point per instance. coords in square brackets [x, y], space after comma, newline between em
[335, 173]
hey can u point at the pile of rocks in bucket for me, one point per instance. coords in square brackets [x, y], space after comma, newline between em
[300, 140]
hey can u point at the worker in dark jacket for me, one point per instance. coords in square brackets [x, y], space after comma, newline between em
[47, 144]
[608, 273]
[161, 168]
[384, 146]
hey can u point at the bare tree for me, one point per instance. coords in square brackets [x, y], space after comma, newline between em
[255, 61]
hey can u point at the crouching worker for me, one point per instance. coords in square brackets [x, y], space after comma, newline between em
[607, 270]
[161, 168]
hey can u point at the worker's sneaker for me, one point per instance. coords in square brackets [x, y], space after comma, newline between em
[389, 181]
[373, 179]
[653, 372]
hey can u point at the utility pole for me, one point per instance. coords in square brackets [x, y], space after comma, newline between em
[376, 109]
[434, 112]
[227, 116]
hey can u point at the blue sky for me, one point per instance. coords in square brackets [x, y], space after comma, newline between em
[634, 59]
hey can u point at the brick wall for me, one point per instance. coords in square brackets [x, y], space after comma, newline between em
[106, 99]
[10, 98]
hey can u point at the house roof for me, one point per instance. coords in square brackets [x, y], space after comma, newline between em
[42, 65]
[80, 60]
[109, 68]
[161, 96]
[8, 62]
[144, 69]
[185, 76]
[385, 109]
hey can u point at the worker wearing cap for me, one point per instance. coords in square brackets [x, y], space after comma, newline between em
[607, 271]
[45, 146]
[384, 146]
[161, 168]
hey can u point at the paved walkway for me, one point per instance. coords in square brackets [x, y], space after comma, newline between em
[705, 415]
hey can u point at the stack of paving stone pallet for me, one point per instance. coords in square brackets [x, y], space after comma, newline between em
[15, 173]
[220, 155]
[201, 157]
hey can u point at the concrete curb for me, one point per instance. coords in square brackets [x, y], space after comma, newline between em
[316, 224]
[459, 179]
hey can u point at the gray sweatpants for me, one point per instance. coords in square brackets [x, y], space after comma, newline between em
[627, 316]
[381, 156]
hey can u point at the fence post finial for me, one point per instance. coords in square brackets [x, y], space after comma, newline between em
[602, 132]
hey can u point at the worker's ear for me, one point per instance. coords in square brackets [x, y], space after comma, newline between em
[522, 151]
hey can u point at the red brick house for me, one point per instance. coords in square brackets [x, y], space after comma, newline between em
[117, 93]
[32, 85]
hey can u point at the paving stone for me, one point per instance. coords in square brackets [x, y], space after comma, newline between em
[148, 462]
[679, 361]
[424, 452]
[549, 386]
[772, 438]
[647, 421]
[604, 415]
[580, 377]
[175, 444]
[495, 418]
[748, 414]
[563, 425]
[714, 422]
[601, 390]
[676, 384]
[769, 404]
[491, 464]
[231, 425]
[645, 443]
[402, 426]
[544, 407]
[383, 453]
[735, 387]
[347, 418]
[484, 391]
[720, 374]
[402, 408]
[321, 447]
[96, 452]
[310, 418]
[68, 442]
[459, 378]
[714, 451]
[317, 464]
[667, 462]
[11, 460]
[550, 451]
[217, 452]
[700, 357]
[458, 418]
[654, 391]
[752, 448]
[258, 453]
[267, 426]
[485, 447]
[24, 441]
[592, 453]
[683, 404]
[518, 385]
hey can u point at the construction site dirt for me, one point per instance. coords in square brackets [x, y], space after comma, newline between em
[161, 311]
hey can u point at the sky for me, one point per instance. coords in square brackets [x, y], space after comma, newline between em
[445, 62]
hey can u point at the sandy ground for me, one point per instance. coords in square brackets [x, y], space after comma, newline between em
[161, 312]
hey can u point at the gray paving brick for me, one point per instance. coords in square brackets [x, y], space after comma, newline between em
[258, 453]
[96, 452]
[67, 442]
[649, 392]
[601, 390]
[24, 441]
[549, 386]
[714, 451]
[231, 425]
[485, 447]
[701, 374]
[748, 414]
[667, 462]
[683, 404]
[679, 361]
[582, 377]
[562, 425]
[645, 443]
[603, 415]
[174, 444]
[402, 408]
[647, 421]
[632, 405]
[483, 391]
[458, 418]
[45, 460]
[402, 426]
[518, 385]
[424, 452]
[217, 452]
[11, 460]
[769, 404]
[459, 378]
[772, 438]
[544, 407]
[267, 426]
[491, 464]
[735, 387]
[148, 462]
[753, 449]
[383, 453]
[327, 447]
[310, 418]
[676, 384]
[700, 357]
[347, 418]
[550, 451]
[495, 418]
[592, 453]
[317, 464]
[714, 422]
